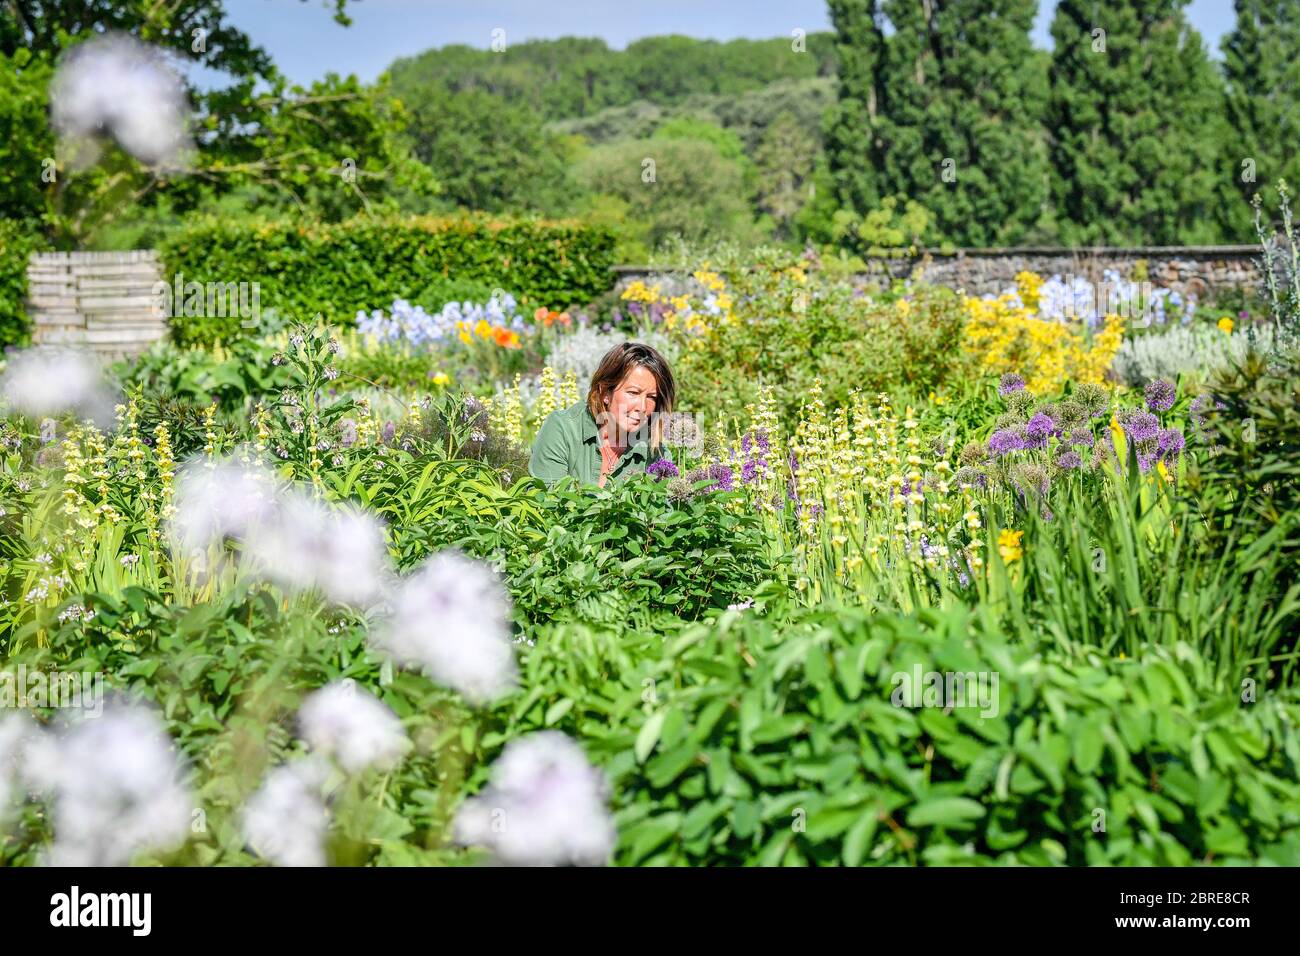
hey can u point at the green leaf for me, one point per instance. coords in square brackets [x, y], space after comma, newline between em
[955, 812]
[648, 736]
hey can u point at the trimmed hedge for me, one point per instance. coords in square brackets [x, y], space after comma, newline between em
[336, 269]
[16, 243]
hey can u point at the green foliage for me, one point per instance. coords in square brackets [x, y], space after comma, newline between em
[363, 264]
[761, 739]
[790, 334]
[1262, 74]
[26, 142]
[944, 109]
[1251, 473]
[487, 153]
[17, 242]
[695, 193]
[1136, 116]
[575, 77]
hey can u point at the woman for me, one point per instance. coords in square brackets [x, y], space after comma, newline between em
[616, 431]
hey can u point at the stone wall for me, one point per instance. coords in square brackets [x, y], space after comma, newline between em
[1196, 270]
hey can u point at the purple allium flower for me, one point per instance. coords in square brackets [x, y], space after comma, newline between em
[1200, 405]
[1170, 444]
[389, 431]
[1141, 426]
[1082, 436]
[1069, 460]
[1010, 382]
[1145, 461]
[661, 469]
[1004, 442]
[1160, 395]
[721, 475]
[1039, 427]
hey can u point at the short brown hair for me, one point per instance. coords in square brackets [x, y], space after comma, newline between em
[615, 366]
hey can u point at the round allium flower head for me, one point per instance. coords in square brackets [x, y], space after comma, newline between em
[680, 489]
[1082, 436]
[350, 724]
[972, 452]
[1068, 460]
[1141, 426]
[661, 469]
[116, 786]
[1020, 403]
[1160, 395]
[1010, 382]
[285, 821]
[1039, 427]
[452, 618]
[1004, 442]
[1093, 397]
[970, 476]
[721, 477]
[545, 806]
[1070, 413]
[682, 431]
[1031, 478]
[1170, 444]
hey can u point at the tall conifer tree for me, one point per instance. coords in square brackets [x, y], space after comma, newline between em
[1137, 125]
[1261, 62]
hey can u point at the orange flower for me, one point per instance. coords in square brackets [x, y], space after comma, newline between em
[564, 317]
[540, 314]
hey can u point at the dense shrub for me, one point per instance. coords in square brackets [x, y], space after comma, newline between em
[336, 270]
[17, 242]
[789, 333]
[774, 741]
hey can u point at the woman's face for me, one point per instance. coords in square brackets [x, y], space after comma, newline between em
[633, 401]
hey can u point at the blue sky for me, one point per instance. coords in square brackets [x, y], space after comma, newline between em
[305, 42]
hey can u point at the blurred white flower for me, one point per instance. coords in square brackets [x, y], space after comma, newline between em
[451, 617]
[285, 821]
[352, 725]
[545, 806]
[115, 785]
[308, 544]
[115, 85]
[48, 381]
[227, 500]
[17, 733]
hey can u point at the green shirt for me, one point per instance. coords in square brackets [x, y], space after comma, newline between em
[569, 444]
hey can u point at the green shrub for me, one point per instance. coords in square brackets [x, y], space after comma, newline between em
[754, 741]
[17, 242]
[363, 264]
[788, 334]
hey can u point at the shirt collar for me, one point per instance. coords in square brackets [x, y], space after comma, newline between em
[591, 435]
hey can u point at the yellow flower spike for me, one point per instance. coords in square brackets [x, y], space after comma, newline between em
[1009, 545]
